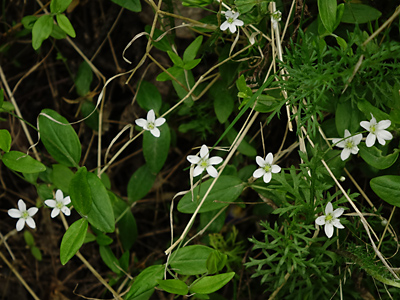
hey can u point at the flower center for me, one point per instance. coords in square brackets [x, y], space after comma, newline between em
[349, 145]
[267, 168]
[59, 205]
[372, 129]
[328, 217]
[25, 215]
[230, 20]
[151, 126]
[203, 163]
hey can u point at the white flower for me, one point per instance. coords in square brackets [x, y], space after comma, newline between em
[330, 219]
[275, 18]
[151, 123]
[349, 143]
[59, 204]
[23, 215]
[376, 131]
[204, 162]
[266, 168]
[231, 21]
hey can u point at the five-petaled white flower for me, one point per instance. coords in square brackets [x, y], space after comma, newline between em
[349, 144]
[231, 21]
[275, 18]
[266, 168]
[151, 123]
[204, 162]
[24, 216]
[330, 219]
[59, 204]
[376, 131]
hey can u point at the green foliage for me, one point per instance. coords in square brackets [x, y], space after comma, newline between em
[210, 284]
[143, 286]
[80, 192]
[387, 187]
[132, 5]
[148, 97]
[155, 150]
[21, 162]
[140, 183]
[72, 240]
[190, 260]
[5, 140]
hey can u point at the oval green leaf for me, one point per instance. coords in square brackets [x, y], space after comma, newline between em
[210, 284]
[21, 162]
[81, 192]
[145, 282]
[140, 183]
[73, 240]
[132, 5]
[109, 259]
[226, 190]
[387, 188]
[62, 176]
[173, 286]
[41, 30]
[155, 150]
[148, 97]
[58, 6]
[101, 215]
[327, 12]
[356, 13]
[5, 140]
[65, 25]
[347, 117]
[190, 260]
[61, 141]
[373, 156]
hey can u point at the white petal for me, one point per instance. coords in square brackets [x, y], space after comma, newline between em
[269, 159]
[141, 122]
[224, 26]
[260, 161]
[155, 132]
[258, 173]
[346, 133]
[50, 203]
[275, 169]
[235, 15]
[212, 171]
[20, 224]
[159, 121]
[151, 116]
[345, 154]
[204, 151]
[66, 211]
[337, 224]
[320, 220]
[267, 177]
[55, 212]
[193, 159]
[67, 200]
[228, 14]
[238, 23]
[32, 211]
[384, 124]
[215, 160]
[328, 208]
[59, 195]
[370, 141]
[365, 125]
[357, 139]
[14, 213]
[384, 134]
[30, 222]
[21, 205]
[328, 230]
[354, 150]
[232, 28]
[197, 171]
[338, 212]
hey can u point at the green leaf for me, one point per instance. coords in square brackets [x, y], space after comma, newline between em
[93, 121]
[103, 239]
[29, 21]
[162, 44]
[41, 30]
[245, 148]
[174, 71]
[387, 188]
[61, 141]
[347, 117]
[190, 260]
[65, 25]
[62, 176]
[367, 108]
[242, 86]
[5, 140]
[191, 51]
[373, 156]
[80, 192]
[58, 33]
[191, 64]
[226, 190]
[101, 215]
[175, 59]
[37, 254]
[148, 97]
[73, 240]
[59, 6]
[173, 286]
[109, 259]
[7, 107]
[29, 240]
[132, 5]
[327, 12]
[21, 162]
[245, 6]
[140, 183]
[83, 79]
[210, 284]
[223, 101]
[145, 282]
[216, 261]
[355, 13]
[155, 150]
